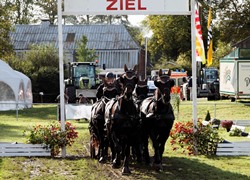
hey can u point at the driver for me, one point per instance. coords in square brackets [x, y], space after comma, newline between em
[110, 79]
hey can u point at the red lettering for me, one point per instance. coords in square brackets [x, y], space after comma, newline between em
[140, 6]
[121, 4]
[110, 6]
[130, 5]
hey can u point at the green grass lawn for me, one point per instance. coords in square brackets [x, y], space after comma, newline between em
[78, 165]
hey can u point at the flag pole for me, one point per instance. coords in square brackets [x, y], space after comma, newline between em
[194, 85]
[61, 75]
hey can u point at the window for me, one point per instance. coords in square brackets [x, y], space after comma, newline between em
[70, 37]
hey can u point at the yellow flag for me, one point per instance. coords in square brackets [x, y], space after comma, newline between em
[200, 52]
[209, 39]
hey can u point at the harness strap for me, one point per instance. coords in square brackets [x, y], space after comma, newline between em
[153, 100]
[105, 98]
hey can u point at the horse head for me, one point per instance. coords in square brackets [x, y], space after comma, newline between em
[164, 85]
[141, 89]
[129, 79]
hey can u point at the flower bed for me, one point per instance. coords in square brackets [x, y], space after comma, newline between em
[53, 137]
[199, 140]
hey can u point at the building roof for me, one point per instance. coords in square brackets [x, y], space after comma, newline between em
[100, 37]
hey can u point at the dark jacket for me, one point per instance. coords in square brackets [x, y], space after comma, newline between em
[99, 90]
[190, 82]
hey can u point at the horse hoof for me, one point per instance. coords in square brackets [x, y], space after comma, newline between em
[158, 167]
[102, 160]
[115, 166]
[147, 162]
[126, 171]
[139, 160]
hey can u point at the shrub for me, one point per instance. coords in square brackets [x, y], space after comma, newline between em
[203, 139]
[52, 136]
[235, 132]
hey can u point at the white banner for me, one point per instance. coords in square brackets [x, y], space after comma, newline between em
[78, 111]
[244, 77]
[126, 7]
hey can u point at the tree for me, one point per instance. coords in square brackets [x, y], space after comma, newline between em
[49, 8]
[184, 61]
[5, 28]
[136, 33]
[222, 50]
[171, 36]
[40, 63]
[83, 54]
[234, 20]
[23, 11]
[110, 19]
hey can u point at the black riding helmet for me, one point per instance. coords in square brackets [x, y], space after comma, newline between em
[109, 75]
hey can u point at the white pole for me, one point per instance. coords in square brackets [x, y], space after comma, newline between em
[60, 44]
[146, 56]
[194, 85]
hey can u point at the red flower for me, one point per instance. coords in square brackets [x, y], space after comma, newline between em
[52, 136]
[183, 137]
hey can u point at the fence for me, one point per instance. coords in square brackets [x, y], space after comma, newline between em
[216, 109]
[15, 149]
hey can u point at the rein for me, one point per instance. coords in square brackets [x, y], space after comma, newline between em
[156, 100]
[105, 98]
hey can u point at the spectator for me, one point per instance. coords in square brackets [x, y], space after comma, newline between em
[190, 88]
[184, 88]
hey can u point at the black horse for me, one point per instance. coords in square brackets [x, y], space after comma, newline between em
[157, 118]
[98, 134]
[140, 93]
[122, 120]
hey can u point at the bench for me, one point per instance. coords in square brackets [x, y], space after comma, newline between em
[16, 149]
[242, 122]
[233, 149]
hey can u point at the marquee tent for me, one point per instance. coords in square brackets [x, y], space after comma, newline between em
[15, 89]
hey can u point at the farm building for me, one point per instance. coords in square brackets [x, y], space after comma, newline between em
[113, 44]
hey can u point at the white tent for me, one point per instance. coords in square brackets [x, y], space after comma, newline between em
[28, 97]
[15, 89]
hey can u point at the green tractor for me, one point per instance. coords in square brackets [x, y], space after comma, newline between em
[82, 79]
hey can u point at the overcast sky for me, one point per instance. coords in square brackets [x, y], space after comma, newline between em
[136, 19]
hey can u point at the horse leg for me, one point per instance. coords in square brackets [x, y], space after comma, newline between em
[145, 152]
[137, 145]
[118, 150]
[113, 152]
[105, 147]
[125, 169]
[102, 147]
[157, 157]
[163, 137]
[103, 144]
[137, 152]
[162, 141]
